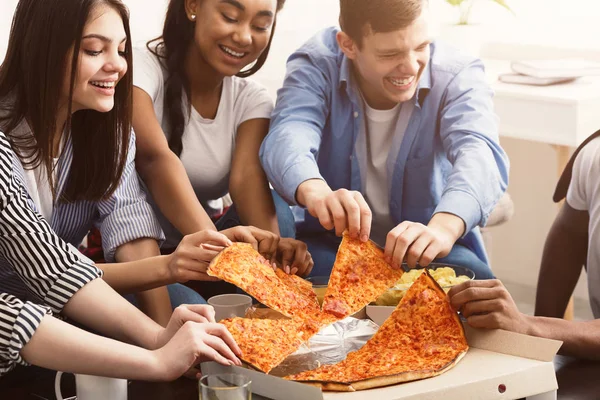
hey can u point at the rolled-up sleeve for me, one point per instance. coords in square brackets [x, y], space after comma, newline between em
[126, 215]
[288, 153]
[43, 261]
[469, 132]
[18, 323]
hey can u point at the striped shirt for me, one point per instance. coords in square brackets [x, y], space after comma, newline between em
[39, 269]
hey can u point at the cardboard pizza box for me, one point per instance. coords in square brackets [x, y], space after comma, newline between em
[499, 365]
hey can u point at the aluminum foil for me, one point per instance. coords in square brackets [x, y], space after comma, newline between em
[331, 345]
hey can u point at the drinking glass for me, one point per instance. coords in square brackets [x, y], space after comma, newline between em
[225, 387]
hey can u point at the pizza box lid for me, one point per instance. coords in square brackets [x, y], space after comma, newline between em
[498, 365]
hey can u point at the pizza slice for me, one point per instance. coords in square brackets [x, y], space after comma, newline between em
[422, 338]
[241, 265]
[359, 276]
[265, 343]
[303, 286]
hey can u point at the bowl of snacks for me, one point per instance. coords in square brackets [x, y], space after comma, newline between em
[446, 276]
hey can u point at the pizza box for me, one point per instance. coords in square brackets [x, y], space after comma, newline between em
[499, 365]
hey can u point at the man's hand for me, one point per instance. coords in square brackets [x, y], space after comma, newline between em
[340, 210]
[293, 257]
[418, 244]
[487, 304]
[194, 254]
[265, 242]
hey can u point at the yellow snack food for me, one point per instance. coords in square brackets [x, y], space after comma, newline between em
[445, 277]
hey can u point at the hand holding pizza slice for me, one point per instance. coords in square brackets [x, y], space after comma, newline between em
[360, 274]
[422, 338]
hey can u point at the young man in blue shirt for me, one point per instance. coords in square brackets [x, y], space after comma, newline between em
[382, 132]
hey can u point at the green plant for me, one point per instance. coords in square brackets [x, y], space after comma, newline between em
[465, 7]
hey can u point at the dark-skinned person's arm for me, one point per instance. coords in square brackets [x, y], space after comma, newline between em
[487, 304]
[564, 255]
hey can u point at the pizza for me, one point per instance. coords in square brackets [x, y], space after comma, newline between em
[241, 265]
[360, 274]
[296, 283]
[265, 343]
[422, 338]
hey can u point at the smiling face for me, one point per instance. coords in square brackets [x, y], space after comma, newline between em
[231, 34]
[101, 63]
[388, 65]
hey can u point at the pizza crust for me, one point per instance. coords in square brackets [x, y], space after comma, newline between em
[382, 381]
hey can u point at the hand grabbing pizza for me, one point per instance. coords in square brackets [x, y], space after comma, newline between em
[418, 244]
[193, 255]
[265, 242]
[340, 210]
[192, 344]
[487, 304]
[293, 257]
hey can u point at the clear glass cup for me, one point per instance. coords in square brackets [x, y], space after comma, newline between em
[225, 387]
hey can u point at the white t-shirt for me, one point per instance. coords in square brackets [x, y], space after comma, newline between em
[36, 179]
[584, 195]
[377, 147]
[208, 144]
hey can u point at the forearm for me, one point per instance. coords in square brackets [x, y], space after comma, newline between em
[172, 191]
[253, 201]
[562, 260]
[580, 339]
[94, 307]
[60, 346]
[154, 302]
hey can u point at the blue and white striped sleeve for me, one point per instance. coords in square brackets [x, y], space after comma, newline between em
[41, 259]
[126, 215]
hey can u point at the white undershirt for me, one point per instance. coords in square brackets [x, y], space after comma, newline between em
[39, 189]
[374, 145]
[584, 195]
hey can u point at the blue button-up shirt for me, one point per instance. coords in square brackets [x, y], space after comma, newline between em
[449, 159]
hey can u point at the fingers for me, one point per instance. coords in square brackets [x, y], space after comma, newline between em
[322, 213]
[287, 257]
[186, 313]
[352, 213]
[344, 210]
[223, 353]
[241, 234]
[431, 253]
[390, 241]
[483, 307]
[365, 217]
[406, 239]
[299, 257]
[212, 247]
[204, 310]
[416, 250]
[309, 265]
[338, 213]
[210, 237]
[222, 332]
[476, 291]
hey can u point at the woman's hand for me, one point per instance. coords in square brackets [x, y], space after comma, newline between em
[193, 255]
[265, 242]
[293, 257]
[192, 344]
